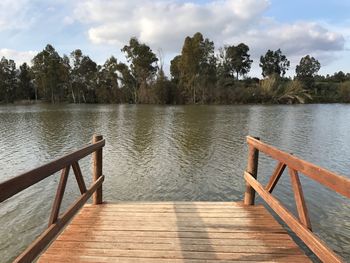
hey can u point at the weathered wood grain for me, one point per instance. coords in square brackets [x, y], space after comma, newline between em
[115, 232]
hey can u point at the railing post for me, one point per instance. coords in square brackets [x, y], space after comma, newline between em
[97, 170]
[252, 168]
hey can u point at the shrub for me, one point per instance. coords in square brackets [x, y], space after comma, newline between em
[344, 91]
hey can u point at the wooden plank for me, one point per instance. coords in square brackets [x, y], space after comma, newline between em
[276, 249]
[252, 168]
[173, 218]
[46, 237]
[176, 254]
[217, 229]
[174, 223]
[17, 184]
[275, 177]
[190, 204]
[59, 196]
[171, 210]
[313, 242]
[179, 216]
[79, 177]
[299, 199]
[329, 179]
[71, 237]
[91, 232]
[103, 259]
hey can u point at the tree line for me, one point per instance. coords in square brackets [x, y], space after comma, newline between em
[199, 75]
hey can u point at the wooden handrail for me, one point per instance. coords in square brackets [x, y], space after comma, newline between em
[301, 226]
[327, 178]
[15, 185]
[56, 223]
[311, 240]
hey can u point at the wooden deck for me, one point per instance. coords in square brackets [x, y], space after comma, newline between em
[173, 232]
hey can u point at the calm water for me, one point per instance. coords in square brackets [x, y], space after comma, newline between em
[171, 153]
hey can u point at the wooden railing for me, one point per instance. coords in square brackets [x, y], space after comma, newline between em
[301, 226]
[57, 222]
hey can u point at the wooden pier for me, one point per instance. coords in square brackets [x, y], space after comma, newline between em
[190, 232]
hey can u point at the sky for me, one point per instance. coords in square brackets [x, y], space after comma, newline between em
[100, 28]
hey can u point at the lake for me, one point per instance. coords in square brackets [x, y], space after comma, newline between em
[172, 153]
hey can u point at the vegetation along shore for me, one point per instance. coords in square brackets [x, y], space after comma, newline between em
[199, 75]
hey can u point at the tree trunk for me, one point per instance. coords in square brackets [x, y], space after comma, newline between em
[73, 96]
[52, 97]
[194, 95]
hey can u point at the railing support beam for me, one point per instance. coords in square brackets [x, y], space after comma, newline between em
[252, 168]
[97, 170]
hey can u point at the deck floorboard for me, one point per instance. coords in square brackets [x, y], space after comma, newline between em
[175, 232]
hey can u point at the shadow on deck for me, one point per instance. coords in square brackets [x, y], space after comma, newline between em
[189, 232]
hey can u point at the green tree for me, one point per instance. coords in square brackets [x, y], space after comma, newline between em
[338, 77]
[344, 91]
[224, 74]
[196, 65]
[163, 89]
[189, 66]
[236, 60]
[143, 65]
[175, 68]
[8, 80]
[83, 77]
[50, 74]
[307, 70]
[108, 88]
[207, 72]
[25, 86]
[274, 62]
[128, 83]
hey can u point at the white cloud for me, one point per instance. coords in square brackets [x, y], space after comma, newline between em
[13, 14]
[165, 24]
[18, 56]
[299, 38]
[295, 40]
[67, 20]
